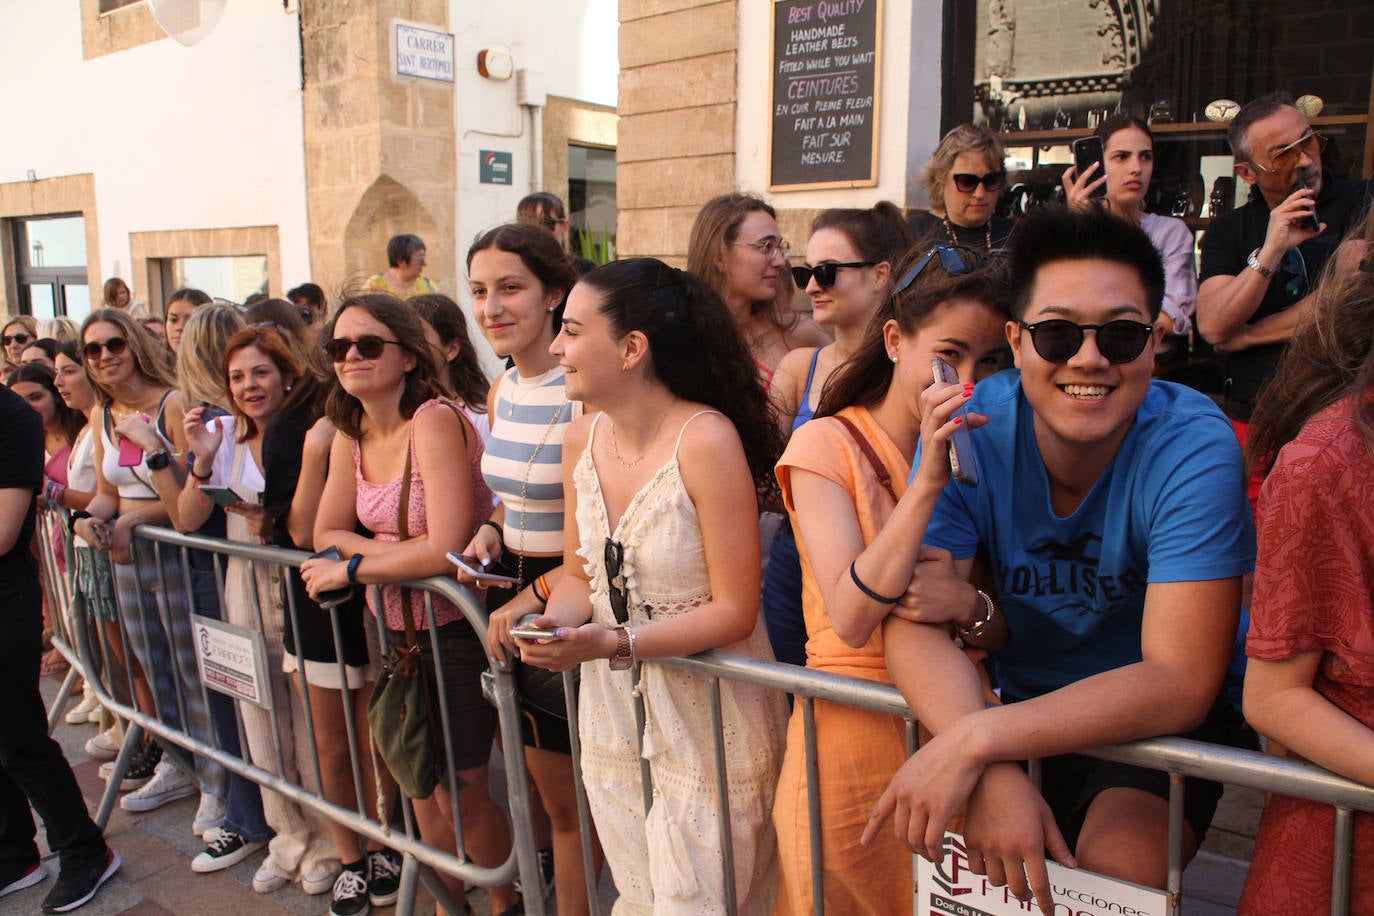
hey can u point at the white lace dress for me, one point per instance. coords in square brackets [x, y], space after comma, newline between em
[671, 861]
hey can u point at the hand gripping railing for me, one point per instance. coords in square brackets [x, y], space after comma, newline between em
[173, 561]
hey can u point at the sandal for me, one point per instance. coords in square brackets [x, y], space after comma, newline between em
[53, 663]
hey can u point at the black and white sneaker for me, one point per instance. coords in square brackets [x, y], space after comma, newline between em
[545, 859]
[350, 896]
[79, 880]
[384, 879]
[18, 877]
[223, 850]
[142, 764]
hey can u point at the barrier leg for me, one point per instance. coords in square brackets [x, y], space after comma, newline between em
[63, 693]
[133, 735]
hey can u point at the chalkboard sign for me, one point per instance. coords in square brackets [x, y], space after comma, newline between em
[825, 93]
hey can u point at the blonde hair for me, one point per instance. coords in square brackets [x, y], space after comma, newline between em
[61, 329]
[715, 228]
[200, 361]
[966, 138]
[151, 358]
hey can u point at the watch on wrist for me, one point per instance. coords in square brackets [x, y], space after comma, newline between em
[353, 562]
[1254, 264]
[981, 625]
[159, 460]
[624, 655]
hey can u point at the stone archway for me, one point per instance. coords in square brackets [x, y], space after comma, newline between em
[385, 209]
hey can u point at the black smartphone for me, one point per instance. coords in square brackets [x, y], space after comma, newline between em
[223, 496]
[960, 447]
[338, 596]
[1086, 151]
[1309, 223]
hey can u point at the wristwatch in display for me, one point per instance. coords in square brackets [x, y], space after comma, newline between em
[624, 656]
[159, 460]
[1253, 263]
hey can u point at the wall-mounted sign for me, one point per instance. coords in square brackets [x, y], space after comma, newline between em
[232, 660]
[495, 167]
[425, 53]
[826, 61]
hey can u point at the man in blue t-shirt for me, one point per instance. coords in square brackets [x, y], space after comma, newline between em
[1112, 511]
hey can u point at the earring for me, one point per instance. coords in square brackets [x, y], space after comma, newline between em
[894, 358]
[625, 366]
[550, 309]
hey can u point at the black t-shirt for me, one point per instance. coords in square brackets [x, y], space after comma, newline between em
[1227, 244]
[929, 230]
[21, 468]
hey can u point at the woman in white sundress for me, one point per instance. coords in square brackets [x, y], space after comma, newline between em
[662, 560]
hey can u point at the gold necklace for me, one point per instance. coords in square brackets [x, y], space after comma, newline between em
[525, 490]
[615, 446]
[512, 402]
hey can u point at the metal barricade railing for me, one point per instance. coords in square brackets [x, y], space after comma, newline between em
[172, 722]
[1175, 756]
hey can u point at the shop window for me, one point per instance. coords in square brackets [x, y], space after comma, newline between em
[50, 266]
[236, 278]
[592, 202]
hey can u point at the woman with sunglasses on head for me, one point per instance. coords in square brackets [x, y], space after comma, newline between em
[391, 469]
[1128, 151]
[843, 478]
[738, 249]
[662, 560]
[139, 440]
[963, 178]
[848, 275]
[519, 277]
[262, 381]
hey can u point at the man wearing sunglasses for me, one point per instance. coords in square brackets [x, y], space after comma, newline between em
[1112, 512]
[1261, 261]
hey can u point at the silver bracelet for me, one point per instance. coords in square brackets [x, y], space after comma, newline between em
[979, 627]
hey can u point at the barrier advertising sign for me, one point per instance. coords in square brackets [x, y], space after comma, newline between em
[950, 889]
[232, 660]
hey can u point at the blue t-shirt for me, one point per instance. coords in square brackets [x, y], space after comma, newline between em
[1171, 507]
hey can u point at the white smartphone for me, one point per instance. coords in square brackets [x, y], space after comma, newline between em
[526, 629]
[473, 567]
[960, 448]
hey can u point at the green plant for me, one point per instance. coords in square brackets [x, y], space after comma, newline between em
[597, 250]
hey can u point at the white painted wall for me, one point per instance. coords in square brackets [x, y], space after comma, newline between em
[203, 137]
[571, 46]
[908, 118]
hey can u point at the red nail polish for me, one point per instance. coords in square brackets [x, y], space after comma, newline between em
[968, 392]
[958, 420]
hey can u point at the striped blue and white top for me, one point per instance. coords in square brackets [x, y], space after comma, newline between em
[528, 410]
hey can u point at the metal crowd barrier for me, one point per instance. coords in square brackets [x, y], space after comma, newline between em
[1175, 756]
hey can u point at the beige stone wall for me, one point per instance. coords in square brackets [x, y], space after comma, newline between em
[380, 154]
[118, 30]
[676, 145]
[147, 248]
[69, 194]
[571, 121]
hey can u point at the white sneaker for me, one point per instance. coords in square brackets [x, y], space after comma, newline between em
[88, 710]
[209, 816]
[266, 880]
[319, 882]
[104, 746]
[167, 785]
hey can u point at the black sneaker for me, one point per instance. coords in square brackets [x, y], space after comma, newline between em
[350, 896]
[384, 881]
[142, 764]
[223, 849]
[78, 881]
[17, 877]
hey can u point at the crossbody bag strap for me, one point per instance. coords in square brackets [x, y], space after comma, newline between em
[403, 529]
[879, 468]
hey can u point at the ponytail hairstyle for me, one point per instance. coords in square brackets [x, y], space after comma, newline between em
[684, 320]
[879, 233]
[465, 375]
[541, 254]
[863, 381]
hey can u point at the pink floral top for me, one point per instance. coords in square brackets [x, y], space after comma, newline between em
[377, 509]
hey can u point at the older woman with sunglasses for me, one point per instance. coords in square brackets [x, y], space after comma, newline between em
[851, 525]
[963, 178]
[19, 332]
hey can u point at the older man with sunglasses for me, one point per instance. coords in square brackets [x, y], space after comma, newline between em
[1115, 578]
[1261, 262]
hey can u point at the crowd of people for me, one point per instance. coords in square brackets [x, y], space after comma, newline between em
[979, 492]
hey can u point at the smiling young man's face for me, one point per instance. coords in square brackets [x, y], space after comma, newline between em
[1087, 404]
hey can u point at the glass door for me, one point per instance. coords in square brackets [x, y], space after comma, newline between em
[50, 252]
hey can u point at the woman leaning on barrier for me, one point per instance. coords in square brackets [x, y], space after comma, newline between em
[1310, 679]
[259, 374]
[397, 435]
[851, 521]
[662, 560]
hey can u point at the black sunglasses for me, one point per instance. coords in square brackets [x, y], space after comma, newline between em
[620, 593]
[955, 259]
[824, 272]
[993, 181]
[1120, 341]
[370, 346]
[114, 346]
[8, 339]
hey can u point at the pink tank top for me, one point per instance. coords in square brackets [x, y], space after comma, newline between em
[377, 509]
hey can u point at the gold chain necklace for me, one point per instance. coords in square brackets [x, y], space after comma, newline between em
[512, 402]
[987, 241]
[525, 489]
[615, 446]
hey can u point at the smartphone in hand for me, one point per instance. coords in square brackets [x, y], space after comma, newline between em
[223, 496]
[337, 596]
[526, 629]
[961, 462]
[473, 567]
[1309, 223]
[1086, 151]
